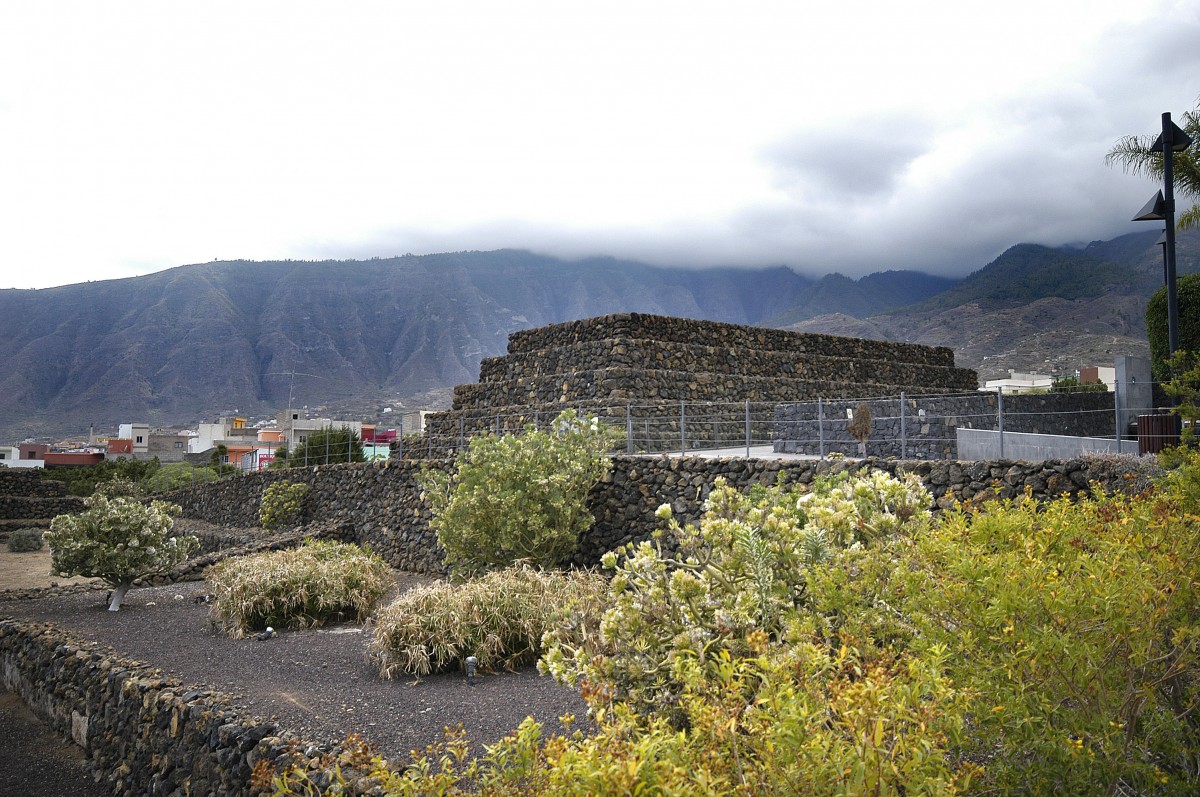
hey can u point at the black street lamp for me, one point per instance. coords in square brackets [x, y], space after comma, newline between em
[1162, 207]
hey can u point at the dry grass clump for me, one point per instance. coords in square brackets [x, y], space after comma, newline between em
[499, 618]
[316, 583]
[1126, 473]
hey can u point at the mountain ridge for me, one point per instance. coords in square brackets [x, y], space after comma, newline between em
[217, 338]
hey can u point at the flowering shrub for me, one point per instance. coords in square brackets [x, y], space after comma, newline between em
[737, 582]
[118, 540]
[519, 497]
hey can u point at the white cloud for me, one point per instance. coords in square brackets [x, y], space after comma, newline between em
[876, 135]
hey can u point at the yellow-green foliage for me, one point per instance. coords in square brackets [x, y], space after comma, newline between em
[282, 505]
[315, 583]
[846, 722]
[499, 618]
[1077, 625]
[743, 571]
[519, 497]
[1018, 649]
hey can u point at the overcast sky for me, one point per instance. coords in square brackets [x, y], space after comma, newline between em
[851, 137]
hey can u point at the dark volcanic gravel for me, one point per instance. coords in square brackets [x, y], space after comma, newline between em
[317, 683]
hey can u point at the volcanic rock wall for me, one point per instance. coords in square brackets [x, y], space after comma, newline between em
[601, 366]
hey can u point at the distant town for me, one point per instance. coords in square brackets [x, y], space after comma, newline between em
[234, 441]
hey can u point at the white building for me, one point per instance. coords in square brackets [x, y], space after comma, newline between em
[1017, 382]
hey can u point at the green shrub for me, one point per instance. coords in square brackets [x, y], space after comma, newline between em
[316, 583]
[117, 539]
[499, 618]
[325, 447]
[741, 574]
[519, 497]
[282, 505]
[25, 540]
[178, 474]
[1076, 626]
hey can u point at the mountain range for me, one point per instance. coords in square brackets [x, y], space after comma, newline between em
[353, 337]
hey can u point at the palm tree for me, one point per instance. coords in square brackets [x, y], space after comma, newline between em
[1134, 156]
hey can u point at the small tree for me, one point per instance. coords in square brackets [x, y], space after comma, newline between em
[327, 446]
[519, 496]
[1187, 293]
[118, 540]
[860, 426]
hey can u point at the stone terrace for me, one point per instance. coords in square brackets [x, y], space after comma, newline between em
[603, 365]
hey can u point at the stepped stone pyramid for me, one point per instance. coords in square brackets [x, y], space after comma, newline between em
[631, 365]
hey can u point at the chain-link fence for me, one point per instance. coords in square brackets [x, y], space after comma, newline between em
[907, 427]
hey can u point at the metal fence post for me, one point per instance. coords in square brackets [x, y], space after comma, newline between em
[903, 430]
[683, 428]
[1117, 414]
[628, 429]
[1000, 417]
[747, 428]
[821, 426]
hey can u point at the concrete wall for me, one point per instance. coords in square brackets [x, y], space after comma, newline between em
[981, 444]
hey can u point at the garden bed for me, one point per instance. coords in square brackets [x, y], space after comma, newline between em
[316, 683]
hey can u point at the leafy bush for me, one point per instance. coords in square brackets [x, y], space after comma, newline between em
[519, 497]
[117, 539]
[84, 480]
[845, 722]
[315, 583]
[735, 583]
[175, 475]
[25, 540]
[1187, 296]
[1076, 626]
[282, 505]
[324, 447]
[499, 618]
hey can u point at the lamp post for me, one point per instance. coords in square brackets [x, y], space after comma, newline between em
[1161, 207]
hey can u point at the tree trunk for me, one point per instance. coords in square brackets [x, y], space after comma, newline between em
[118, 595]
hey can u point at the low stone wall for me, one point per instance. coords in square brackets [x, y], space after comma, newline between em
[655, 355]
[380, 504]
[25, 482]
[638, 326]
[925, 427]
[24, 495]
[142, 732]
[650, 386]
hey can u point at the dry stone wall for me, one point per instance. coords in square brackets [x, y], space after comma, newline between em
[26, 499]
[143, 733]
[604, 365]
[380, 505]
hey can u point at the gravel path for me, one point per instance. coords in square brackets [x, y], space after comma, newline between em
[317, 683]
